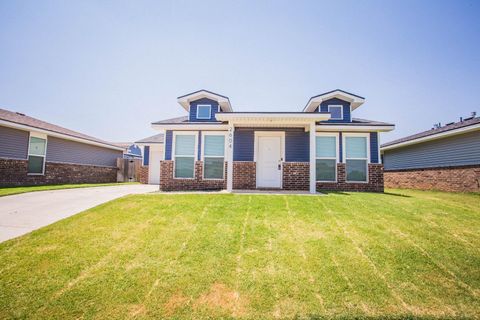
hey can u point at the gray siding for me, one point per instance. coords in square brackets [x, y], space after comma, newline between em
[13, 143]
[60, 150]
[459, 150]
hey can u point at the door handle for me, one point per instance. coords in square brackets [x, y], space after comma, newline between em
[279, 167]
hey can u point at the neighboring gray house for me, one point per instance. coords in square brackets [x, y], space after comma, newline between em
[36, 152]
[444, 158]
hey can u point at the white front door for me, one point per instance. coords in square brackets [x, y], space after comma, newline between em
[269, 161]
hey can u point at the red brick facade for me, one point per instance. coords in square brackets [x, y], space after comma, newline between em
[374, 184]
[14, 173]
[169, 183]
[456, 179]
[142, 174]
[244, 175]
[296, 176]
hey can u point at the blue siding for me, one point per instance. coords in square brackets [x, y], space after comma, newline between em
[13, 143]
[168, 144]
[297, 146]
[346, 109]
[374, 147]
[243, 144]
[459, 150]
[193, 110]
[146, 155]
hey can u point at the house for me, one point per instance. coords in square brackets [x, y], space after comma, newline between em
[130, 150]
[444, 158]
[36, 152]
[321, 147]
[152, 155]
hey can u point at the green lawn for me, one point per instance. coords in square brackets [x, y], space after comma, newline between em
[8, 191]
[398, 255]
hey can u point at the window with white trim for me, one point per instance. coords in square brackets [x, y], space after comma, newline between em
[336, 112]
[37, 150]
[326, 158]
[204, 111]
[184, 155]
[213, 156]
[356, 158]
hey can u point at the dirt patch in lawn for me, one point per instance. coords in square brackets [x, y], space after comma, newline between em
[176, 301]
[220, 297]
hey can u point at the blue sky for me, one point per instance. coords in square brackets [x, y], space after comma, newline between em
[110, 68]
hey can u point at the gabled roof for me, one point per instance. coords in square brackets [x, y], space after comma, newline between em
[223, 101]
[21, 121]
[158, 138]
[355, 100]
[447, 130]
[183, 119]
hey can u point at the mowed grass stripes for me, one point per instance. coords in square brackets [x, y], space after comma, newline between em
[403, 254]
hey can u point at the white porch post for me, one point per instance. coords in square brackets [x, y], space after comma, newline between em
[231, 129]
[312, 158]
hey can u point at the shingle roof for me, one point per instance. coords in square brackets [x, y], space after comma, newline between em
[158, 138]
[20, 118]
[453, 126]
[359, 122]
[177, 120]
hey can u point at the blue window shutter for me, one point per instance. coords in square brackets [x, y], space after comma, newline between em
[168, 144]
[146, 155]
[374, 147]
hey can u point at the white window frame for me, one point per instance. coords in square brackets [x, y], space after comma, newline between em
[195, 153]
[341, 111]
[344, 153]
[209, 113]
[40, 136]
[214, 133]
[337, 154]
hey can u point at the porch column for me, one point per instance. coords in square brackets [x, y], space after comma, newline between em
[313, 178]
[231, 129]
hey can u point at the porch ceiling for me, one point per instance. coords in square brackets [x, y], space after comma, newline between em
[295, 120]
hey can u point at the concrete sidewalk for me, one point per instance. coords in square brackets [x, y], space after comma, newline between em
[22, 213]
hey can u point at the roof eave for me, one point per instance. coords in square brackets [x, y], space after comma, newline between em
[354, 100]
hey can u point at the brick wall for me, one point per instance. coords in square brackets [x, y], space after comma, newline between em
[244, 175]
[456, 179]
[296, 176]
[169, 183]
[375, 180]
[142, 174]
[14, 173]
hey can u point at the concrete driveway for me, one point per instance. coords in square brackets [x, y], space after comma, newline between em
[22, 213]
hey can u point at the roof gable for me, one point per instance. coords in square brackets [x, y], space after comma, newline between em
[223, 101]
[354, 100]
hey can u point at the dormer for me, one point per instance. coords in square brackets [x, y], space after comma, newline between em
[338, 103]
[202, 105]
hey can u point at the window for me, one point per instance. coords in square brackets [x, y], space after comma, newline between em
[213, 156]
[204, 111]
[36, 155]
[184, 155]
[326, 154]
[356, 158]
[336, 112]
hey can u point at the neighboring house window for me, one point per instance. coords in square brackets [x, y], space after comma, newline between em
[213, 156]
[356, 158]
[204, 111]
[326, 158]
[184, 155]
[336, 112]
[37, 149]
